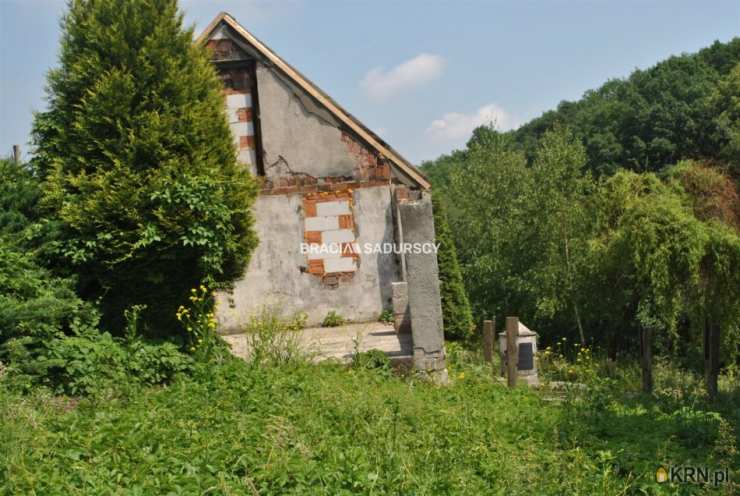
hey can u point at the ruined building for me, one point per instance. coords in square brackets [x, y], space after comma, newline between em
[325, 179]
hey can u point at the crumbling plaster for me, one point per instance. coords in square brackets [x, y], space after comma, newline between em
[298, 136]
[276, 276]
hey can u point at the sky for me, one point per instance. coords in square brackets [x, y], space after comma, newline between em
[421, 74]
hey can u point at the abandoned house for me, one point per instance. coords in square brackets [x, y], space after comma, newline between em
[325, 179]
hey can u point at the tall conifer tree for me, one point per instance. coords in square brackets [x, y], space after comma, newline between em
[456, 313]
[138, 161]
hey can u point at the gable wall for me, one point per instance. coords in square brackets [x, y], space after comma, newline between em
[312, 166]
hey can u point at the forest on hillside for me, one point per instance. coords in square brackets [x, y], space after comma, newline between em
[612, 215]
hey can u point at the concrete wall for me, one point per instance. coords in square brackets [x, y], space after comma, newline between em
[277, 274]
[298, 136]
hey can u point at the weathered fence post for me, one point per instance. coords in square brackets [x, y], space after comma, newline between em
[488, 341]
[17, 154]
[512, 350]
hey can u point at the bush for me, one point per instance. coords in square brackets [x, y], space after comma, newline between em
[372, 360]
[49, 336]
[273, 341]
[91, 362]
[34, 305]
[19, 197]
[386, 316]
[138, 162]
[333, 319]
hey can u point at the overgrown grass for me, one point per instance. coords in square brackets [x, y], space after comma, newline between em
[296, 428]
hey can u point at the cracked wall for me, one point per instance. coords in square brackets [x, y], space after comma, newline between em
[278, 274]
[300, 138]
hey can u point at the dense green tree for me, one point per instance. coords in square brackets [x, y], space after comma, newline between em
[137, 160]
[557, 209]
[456, 313]
[19, 197]
[680, 108]
[725, 104]
[713, 305]
[487, 194]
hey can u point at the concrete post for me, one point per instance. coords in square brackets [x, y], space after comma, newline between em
[489, 333]
[422, 276]
[401, 317]
[512, 350]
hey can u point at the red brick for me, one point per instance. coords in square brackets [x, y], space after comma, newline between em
[312, 236]
[346, 222]
[383, 171]
[325, 196]
[246, 142]
[309, 208]
[284, 190]
[244, 114]
[286, 181]
[349, 251]
[316, 267]
[402, 193]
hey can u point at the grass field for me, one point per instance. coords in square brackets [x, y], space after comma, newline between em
[296, 428]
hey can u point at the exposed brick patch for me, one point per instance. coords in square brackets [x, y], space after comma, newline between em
[309, 208]
[365, 157]
[333, 224]
[269, 187]
[348, 250]
[383, 171]
[246, 142]
[402, 193]
[337, 179]
[244, 114]
[346, 222]
[235, 80]
[316, 267]
[224, 49]
[370, 165]
[312, 236]
[322, 196]
[330, 281]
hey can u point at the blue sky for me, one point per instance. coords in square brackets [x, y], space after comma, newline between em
[420, 73]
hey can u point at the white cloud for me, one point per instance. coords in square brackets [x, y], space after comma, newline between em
[455, 126]
[380, 84]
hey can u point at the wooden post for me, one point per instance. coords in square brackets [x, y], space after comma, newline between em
[512, 350]
[646, 359]
[489, 337]
[17, 154]
[711, 356]
[488, 341]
